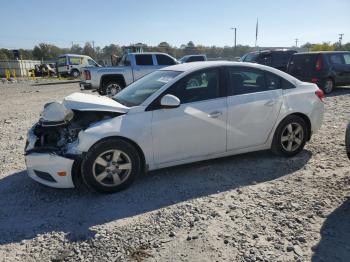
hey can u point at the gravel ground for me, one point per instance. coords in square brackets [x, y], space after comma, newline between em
[251, 207]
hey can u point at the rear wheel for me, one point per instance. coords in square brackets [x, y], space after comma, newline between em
[290, 136]
[328, 86]
[111, 88]
[111, 165]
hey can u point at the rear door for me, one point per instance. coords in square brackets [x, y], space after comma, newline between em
[144, 65]
[254, 101]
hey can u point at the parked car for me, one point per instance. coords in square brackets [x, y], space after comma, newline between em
[71, 65]
[193, 58]
[326, 69]
[166, 118]
[275, 58]
[347, 140]
[111, 80]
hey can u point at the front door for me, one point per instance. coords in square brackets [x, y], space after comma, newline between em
[198, 127]
[254, 102]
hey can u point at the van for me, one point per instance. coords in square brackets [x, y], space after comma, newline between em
[327, 69]
[71, 65]
[278, 58]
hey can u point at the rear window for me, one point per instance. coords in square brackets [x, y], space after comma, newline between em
[144, 59]
[302, 65]
[62, 61]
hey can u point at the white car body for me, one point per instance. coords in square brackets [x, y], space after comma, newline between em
[192, 132]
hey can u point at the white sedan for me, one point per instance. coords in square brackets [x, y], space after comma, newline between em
[176, 115]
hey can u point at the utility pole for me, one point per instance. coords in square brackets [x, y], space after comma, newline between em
[340, 38]
[296, 42]
[235, 28]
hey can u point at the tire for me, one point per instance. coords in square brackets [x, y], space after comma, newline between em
[290, 136]
[111, 88]
[75, 73]
[347, 140]
[327, 85]
[104, 174]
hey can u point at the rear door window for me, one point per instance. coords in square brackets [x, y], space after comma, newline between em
[336, 59]
[165, 60]
[74, 60]
[347, 59]
[144, 60]
[247, 80]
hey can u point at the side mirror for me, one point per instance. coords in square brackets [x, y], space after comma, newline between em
[169, 101]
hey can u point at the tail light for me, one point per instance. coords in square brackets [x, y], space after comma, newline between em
[314, 80]
[319, 63]
[87, 75]
[319, 93]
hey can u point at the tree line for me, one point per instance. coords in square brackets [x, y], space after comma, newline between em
[45, 51]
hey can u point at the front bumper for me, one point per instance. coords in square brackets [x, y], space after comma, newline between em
[50, 169]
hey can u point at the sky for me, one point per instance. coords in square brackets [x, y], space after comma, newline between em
[24, 24]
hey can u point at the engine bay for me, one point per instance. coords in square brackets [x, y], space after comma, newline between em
[54, 136]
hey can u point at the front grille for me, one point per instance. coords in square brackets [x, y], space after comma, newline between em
[45, 176]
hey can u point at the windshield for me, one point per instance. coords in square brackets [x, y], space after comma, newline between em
[136, 93]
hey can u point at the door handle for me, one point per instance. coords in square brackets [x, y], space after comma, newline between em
[270, 103]
[215, 114]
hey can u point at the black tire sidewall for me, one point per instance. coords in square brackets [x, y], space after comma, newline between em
[72, 73]
[324, 84]
[99, 148]
[347, 140]
[276, 143]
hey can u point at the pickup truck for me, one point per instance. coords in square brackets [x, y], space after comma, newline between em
[110, 80]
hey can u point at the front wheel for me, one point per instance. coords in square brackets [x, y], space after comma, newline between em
[75, 73]
[290, 136]
[111, 165]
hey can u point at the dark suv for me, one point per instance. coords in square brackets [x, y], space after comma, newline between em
[275, 58]
[326, 69]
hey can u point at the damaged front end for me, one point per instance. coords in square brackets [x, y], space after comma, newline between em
[49, 151]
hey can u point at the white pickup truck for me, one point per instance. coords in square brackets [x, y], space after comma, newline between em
[110, 80]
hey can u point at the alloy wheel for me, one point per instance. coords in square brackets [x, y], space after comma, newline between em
[112, 168]
[292, 137]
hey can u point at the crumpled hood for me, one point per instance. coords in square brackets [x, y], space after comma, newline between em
[87, 102]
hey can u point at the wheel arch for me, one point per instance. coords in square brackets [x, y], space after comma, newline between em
[305, 118]
[133, 143]
[112, 77]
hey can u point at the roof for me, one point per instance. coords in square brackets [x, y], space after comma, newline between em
[322, 52]
[73, 55]
[194, 66]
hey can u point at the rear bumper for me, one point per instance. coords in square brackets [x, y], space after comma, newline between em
[50, 169]
[85, 85]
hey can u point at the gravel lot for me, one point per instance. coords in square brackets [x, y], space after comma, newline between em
[251, 207]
